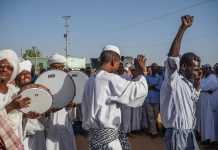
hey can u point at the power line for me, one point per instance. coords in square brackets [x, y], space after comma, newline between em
[153, 44]
[151, 19]
[167, 43]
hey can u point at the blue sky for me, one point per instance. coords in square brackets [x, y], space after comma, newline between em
[140, 26]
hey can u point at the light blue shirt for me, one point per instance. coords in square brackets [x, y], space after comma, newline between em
[154, 95]
[177, 98]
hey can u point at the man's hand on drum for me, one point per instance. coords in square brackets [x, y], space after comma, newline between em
[72, 104]
[52, 110]
[32, 115]
[18, 103]
[21, 103]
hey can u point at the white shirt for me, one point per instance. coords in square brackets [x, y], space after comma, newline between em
[15, 116]
[102, 95]
[177, 98]
[209, 83]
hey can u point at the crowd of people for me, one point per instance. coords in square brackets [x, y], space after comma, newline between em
[117, 102]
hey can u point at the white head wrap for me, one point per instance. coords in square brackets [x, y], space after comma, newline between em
[56, 58]
[207, 65]
[216, 65]
[13, 60]
[25, 65]
[111, 48]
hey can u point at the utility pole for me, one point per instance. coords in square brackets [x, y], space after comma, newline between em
[66, 34]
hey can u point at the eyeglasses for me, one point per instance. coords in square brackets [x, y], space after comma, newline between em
[8, 67]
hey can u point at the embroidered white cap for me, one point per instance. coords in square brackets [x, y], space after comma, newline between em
[111, 48]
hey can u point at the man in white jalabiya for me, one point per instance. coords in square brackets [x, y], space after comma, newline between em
[59, 135]
[102, 96]
[136, 113]
[214, 106]
[9, 103]
[179, 92]
[34, 137]
[125, 110]
[208, 87]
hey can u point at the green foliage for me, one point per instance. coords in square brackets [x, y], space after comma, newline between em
[32, 52]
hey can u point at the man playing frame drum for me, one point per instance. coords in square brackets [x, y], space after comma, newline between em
[9, 103]
[60, 134]
[34, 137]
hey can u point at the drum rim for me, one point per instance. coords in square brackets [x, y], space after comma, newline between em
[41, 89]
[39, 86]
[78, 71]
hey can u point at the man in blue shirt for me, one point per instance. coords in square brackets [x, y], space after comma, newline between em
[153, 99]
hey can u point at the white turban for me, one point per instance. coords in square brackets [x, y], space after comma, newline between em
[25, 65]
[13, 60]
[207, 66]
[56, 58]
[111, 48]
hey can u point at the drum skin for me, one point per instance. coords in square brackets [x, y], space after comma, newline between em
[61, 86]
[40, 97]
[79, 79]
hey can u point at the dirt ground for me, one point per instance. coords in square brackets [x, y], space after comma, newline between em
[140, 142]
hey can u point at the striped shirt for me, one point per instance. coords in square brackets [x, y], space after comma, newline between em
[177, 98]
[8, 138]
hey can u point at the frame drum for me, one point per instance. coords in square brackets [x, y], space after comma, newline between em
[79, 79]
[61, 86]
[40, 97]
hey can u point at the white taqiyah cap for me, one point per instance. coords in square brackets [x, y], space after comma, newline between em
[111, 48]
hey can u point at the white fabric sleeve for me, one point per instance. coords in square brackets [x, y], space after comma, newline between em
[131, 93]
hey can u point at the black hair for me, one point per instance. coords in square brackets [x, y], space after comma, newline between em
[108, 56]
[187, 58]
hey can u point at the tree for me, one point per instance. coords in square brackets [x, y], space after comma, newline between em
[32, 52]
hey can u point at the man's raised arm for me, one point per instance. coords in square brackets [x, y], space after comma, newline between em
[175, 47]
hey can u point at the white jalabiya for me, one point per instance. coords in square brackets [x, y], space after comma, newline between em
[102, 97]
[59, 134]
[136, 118]
[207, 117]
[35, 142]
[214, 107]
[125, 112]
[177, 98]
[34, 135]
[15, 116]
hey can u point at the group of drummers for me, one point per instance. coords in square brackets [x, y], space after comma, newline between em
[36, 116]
